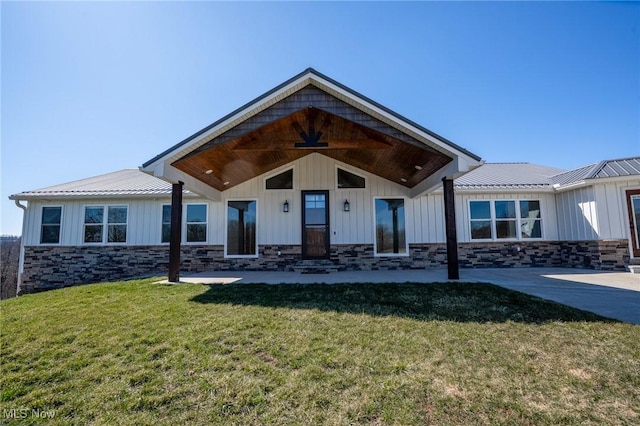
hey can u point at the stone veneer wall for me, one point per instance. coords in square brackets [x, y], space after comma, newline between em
[55, 267]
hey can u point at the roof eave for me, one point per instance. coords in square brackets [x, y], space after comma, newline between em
[308, 76]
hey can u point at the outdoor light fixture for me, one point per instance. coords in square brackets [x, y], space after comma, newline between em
[347, 206]
[285, 206]
[418, 167]
[403, 180]
[209, 171]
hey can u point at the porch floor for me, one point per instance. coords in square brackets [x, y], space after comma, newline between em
[611, 294]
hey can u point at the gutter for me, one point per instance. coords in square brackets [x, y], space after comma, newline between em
[21, 262]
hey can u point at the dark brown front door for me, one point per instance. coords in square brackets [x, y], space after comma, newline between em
[633, 204]
[315, 224]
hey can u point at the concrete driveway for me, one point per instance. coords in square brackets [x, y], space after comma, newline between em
[611, 294]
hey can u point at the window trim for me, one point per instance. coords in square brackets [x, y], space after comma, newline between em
[493, 219]
[226, 227]
[60, 225]
[350, 170]
[185, 224]
[105, 225]
[375, 224]
[274, 174]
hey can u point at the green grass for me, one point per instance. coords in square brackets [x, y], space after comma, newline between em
[142, 353]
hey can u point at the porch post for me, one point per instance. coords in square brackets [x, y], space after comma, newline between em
[450, 223]
[176, 232]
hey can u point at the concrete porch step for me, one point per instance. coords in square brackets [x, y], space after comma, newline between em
[634, 269]
[321, 266]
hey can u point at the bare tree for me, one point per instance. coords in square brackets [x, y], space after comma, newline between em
[9, 263]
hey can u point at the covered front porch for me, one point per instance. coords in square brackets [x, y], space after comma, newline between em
[319, 171]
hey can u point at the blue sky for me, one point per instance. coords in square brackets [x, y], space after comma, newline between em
[90, 88]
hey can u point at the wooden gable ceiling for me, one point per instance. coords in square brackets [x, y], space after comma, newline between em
[280, 138]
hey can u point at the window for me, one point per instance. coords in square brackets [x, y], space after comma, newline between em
[166, 223]
[505, 219]
[115, 227]
[196, 223]
[241, 228]
[390, 226]
[480, 219]
[530, 219]
[50, 229]
[349, 180]
[282, 181]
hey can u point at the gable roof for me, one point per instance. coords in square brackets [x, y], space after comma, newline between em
[306, 77]
[514, 176]
[622, 167]
[123, 183]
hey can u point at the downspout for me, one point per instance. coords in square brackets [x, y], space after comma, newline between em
[21, 262]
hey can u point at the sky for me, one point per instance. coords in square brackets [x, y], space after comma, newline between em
[88, 88]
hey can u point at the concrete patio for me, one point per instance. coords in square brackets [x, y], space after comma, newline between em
[611, 294]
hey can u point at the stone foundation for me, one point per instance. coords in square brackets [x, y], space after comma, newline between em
[55, 267]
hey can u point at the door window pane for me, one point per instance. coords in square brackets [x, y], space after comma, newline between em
[390, 226]
[315, 209]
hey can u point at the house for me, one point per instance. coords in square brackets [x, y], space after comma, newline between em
[314, 175]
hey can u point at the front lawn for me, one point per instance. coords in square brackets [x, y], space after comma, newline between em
[141, 353]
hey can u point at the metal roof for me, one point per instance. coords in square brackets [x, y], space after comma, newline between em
[616, 168]
[605, 169]
[507, 176]
[116, 184]
[491, 176]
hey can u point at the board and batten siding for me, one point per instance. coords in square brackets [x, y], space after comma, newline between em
[424, 216]
[143, 221]
[596, 212]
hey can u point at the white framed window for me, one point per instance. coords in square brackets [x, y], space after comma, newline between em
[105, 224]
[505, 219]
[165, 230]
[346, 179]
[242, 228]
[51, 225]
[390, 227]
[196, 223]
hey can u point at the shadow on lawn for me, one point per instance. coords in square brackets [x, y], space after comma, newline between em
[460, 302]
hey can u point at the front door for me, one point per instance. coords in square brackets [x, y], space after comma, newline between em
[315, 224]
[633, 204]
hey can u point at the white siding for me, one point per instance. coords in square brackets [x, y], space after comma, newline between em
[577, 215]
[317, 172]
[611, 207]
[582, 214]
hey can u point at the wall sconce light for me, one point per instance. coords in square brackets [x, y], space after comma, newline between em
[347, 206]
[285, 206]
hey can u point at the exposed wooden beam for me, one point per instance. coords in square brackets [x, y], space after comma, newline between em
[176, 232]
[450, 225]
